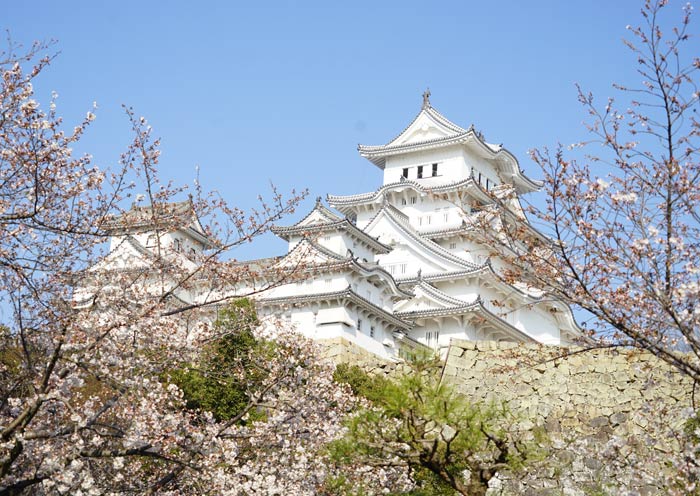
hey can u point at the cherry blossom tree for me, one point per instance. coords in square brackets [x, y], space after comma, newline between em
[86, 406]
[621, 223]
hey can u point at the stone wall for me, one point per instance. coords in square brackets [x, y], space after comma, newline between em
[340, 350]
[607, 413]
[596, 406]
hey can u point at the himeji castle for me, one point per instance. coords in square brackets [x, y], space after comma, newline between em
[400, 267]
[393, 270]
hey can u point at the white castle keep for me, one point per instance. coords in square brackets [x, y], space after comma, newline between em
[395, 269]
[399, 267]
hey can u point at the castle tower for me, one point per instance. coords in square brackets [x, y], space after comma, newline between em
[437, 174]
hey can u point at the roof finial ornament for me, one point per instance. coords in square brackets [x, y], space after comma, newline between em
[318, 200]
[426, 98]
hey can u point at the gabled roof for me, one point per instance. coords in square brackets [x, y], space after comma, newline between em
[467, 185]
[346, 295]
[424, 291]
[430, 129]
[566, 316]
[321, 220]
[400, 223]
[485, 272]
[316, 257]
[318, 215]
[476, 308]
[160, 216]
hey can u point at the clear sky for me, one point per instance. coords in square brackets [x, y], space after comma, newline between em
[282, 92]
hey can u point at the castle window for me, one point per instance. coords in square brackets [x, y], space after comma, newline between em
[420, 172]
[435, 170]
[413, 200]
[405, 173]
[371, 332]
[403, 268]
[178, 245]
[428, 218]
[151, 241]
[403, 201]
[329, 282]
[453, 246]
[359, 324]
[193, 252]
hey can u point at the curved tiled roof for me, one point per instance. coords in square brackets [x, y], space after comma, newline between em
[442, 312]
[168, 216]
[438, 295]
[475, 307]
[346, 294]
[333, 222]
[340, 225]
[377, 153]
[373, 196]
[412, 234]
[437, 116]
[338, 262]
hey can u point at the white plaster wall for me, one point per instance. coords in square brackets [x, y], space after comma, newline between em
[306, 320]
[403, 263]
[455, 163]
[167, 242]
[425, 212]
[452, 166]
[466, 249]
[448, 328]
[539, 325]
[339, 243]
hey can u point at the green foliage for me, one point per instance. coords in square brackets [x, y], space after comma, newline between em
[438, 434]
[15, 379]
[361, 383]
[691, 428]
[226, 375]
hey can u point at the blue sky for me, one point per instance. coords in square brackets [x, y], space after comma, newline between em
[282, 92]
